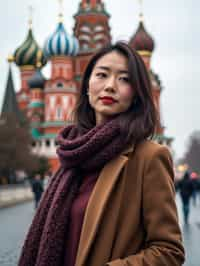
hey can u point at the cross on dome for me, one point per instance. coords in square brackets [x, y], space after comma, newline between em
[30, 20]
[141, 16]
[60, 10]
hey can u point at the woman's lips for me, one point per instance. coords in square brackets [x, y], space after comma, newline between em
[108, 100]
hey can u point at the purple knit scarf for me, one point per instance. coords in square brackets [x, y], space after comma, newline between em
[45, 242]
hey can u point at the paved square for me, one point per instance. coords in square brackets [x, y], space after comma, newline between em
[14, 223]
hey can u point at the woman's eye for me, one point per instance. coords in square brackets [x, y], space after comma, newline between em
[125, 79]
[101, 75]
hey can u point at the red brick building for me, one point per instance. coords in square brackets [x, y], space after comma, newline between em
[48, 103]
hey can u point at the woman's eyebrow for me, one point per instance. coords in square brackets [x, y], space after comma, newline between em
[103, 67]
[108, 69]
[123, 71]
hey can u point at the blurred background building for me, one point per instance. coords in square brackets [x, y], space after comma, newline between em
[48, 103]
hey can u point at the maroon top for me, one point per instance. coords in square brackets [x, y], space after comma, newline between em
[76, 218]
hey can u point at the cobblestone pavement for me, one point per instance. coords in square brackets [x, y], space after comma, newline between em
[14, 223]
[191, 233]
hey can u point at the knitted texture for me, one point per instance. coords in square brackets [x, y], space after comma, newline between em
[78, 154]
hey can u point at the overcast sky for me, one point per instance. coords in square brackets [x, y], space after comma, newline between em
[174, 25]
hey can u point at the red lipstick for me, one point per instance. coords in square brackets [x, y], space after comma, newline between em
[107, 100]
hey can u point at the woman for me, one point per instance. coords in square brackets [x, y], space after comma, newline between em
[112, 200]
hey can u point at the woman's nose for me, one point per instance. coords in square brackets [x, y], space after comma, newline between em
[110, 84]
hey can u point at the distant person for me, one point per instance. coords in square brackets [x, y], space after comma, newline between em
[198, 189]
[194, 178]
[186, 188]
[37, 188]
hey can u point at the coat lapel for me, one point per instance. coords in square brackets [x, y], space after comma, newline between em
[97, 202]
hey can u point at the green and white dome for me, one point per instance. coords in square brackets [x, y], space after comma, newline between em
[26, 54]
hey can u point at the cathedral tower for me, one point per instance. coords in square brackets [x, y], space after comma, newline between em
[144, 44]
[92, 30]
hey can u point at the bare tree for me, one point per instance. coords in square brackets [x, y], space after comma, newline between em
[192, 155]
[15, 150]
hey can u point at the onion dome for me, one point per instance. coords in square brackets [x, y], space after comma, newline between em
[142, 41]
[37, 80]
[60, 43]
[26, 54]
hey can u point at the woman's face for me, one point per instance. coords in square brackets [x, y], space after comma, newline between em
[110, 92]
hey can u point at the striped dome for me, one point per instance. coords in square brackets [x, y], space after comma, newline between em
[60, 43]
[26, 54]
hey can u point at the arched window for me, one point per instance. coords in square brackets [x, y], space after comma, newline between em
[52, 101]
[60, 85]
[99, 45]
[47, 142]
[85, 46]
[33, 144]
[59, 113]
[85, 28]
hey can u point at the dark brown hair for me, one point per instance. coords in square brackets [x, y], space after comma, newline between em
[140, 119]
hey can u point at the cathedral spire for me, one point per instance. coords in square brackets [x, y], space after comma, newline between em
[10, 105]
[30, 20]
[141, 16]
[60, 15]
[142, 40]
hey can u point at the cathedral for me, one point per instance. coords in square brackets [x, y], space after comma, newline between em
[48, 103]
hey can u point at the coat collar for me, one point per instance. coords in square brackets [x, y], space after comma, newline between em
[128, 150]
[99, 197]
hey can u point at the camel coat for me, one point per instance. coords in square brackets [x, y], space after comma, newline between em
[131, 217]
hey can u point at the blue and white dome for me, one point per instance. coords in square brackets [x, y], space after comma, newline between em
[61, 43]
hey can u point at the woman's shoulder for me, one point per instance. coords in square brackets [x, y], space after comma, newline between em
[150, 154]
[149, 149]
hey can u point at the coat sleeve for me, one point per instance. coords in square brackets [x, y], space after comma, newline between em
[163, 243]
